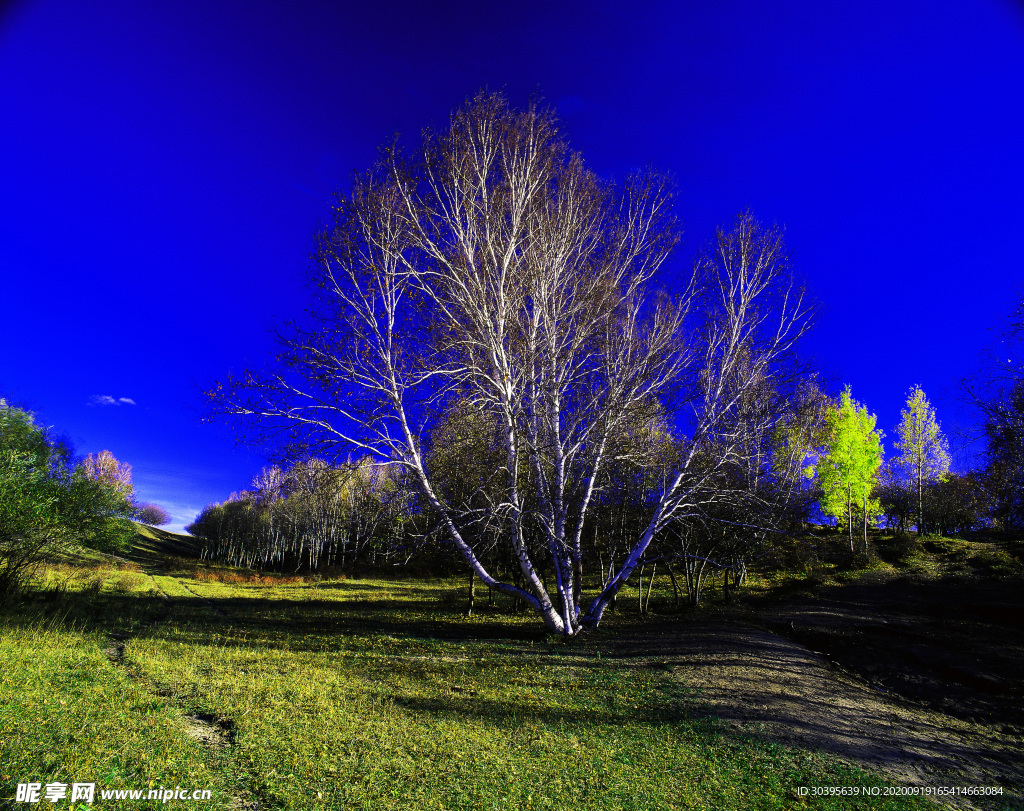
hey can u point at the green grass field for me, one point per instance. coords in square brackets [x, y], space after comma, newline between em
[356, 694]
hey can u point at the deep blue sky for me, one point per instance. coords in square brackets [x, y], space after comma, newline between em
[164, 167]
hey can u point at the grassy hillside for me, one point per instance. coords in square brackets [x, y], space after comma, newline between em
[156, 545]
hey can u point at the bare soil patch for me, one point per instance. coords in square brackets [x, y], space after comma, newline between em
[916, 678]
[210, 731]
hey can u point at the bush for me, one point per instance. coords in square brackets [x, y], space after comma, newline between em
[235, 577]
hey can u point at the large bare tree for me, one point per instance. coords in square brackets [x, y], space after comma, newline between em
[493, 270]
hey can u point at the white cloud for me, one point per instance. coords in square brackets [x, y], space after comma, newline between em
[181, 516]
[107, 400]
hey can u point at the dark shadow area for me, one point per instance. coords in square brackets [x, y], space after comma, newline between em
[513, 715]
[771, 686]
[955, 643]
[154, 546]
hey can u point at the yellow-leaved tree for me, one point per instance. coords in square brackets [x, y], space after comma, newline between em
[848, 471]
[924, 450]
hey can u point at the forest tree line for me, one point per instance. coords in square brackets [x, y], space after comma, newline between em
[805, 458]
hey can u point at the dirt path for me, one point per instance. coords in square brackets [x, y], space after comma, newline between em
[215, 734]
[766, 683]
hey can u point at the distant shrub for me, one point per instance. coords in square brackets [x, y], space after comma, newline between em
[217, 576]
[94, 584]
[152, 514]
[234, 578]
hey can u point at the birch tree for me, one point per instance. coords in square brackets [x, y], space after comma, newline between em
[848, 472]
[309, 515]
[493, 268]
[799, 440]
[105, 469]
[924, 450]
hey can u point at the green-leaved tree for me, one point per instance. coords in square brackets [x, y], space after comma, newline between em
[848, 470]
[48, 506]
[924, 450]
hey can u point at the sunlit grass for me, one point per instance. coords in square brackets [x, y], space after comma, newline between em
[68, 714]
[368, 694]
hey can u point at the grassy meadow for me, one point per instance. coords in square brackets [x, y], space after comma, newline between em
[293, 693]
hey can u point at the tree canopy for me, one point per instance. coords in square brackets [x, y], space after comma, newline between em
[848, 472]
[152, 514]
[924, 449]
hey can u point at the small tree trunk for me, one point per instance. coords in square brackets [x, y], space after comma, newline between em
[472, 592]
[865, 502]
[640, 590]
[691, 586]
[650, 586]
[920, 503]
[577, 579]
[849, 511]
[675, 587]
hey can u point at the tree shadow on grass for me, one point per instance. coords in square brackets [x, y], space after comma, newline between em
[295, 624]
[316, 623]
[403, 587]
[518, 716]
